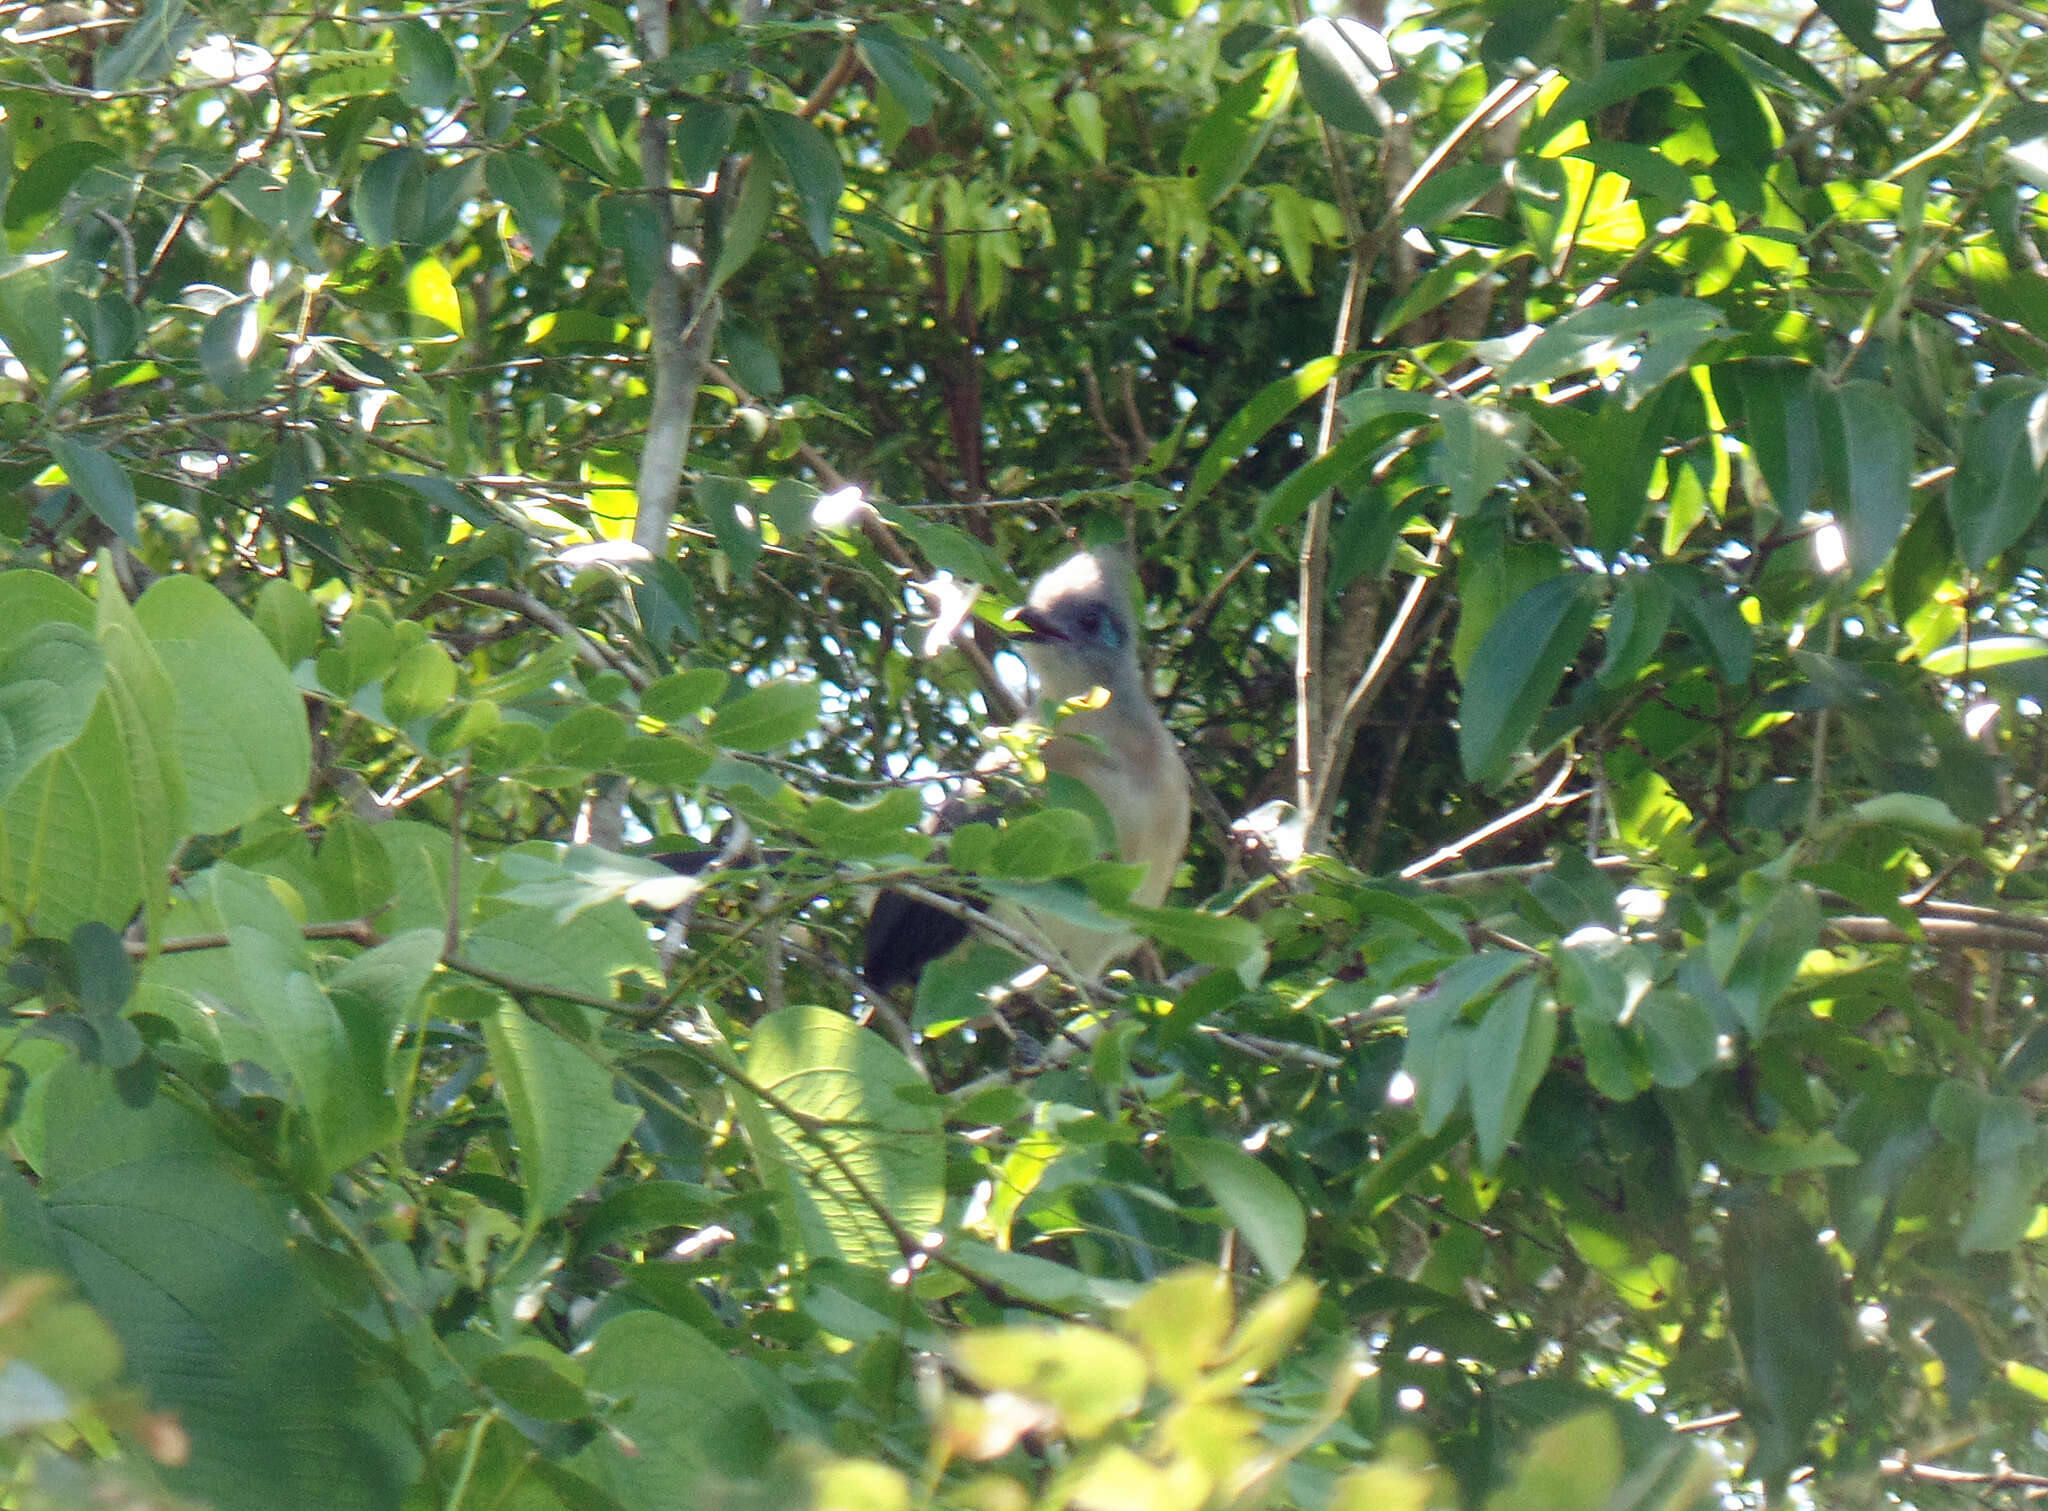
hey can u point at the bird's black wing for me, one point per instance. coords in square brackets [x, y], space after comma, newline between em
[904, 936]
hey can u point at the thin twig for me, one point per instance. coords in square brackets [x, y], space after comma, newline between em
[1547, 798]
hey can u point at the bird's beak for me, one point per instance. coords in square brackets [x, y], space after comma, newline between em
[1036, 624]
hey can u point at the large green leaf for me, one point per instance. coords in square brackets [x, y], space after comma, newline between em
[1785, 1314]
[812, 163]
[764, 717]
[857, 1163]
[2001, 481]
[1342, 62]
[1867, 455]
[532, 192]
[1229, 138]
[895, 65]
[567, 1126]
[1261, 413]
[193, 1265]
[261, 1003]
[685, 1411]
[1517, 669]
[2006, 1174]
[51, 676]
[1507, 1054]
[102, 483]
[87, 832]
[1089, 1379]
[1254, 1199]
[241, 724]
[1781, 425]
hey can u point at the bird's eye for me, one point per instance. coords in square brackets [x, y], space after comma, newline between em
[1091, 622]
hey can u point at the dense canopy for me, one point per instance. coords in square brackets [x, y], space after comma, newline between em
[1584, 465]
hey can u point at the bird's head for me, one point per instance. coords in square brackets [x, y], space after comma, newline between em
[1081, 631]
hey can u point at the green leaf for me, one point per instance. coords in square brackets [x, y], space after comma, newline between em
[390, 199]
[192, 1263]
[366, 651]
[867, 831]
[704, 137]
[354, 869]
[1271, 1327]
[1858, 21]
[1758, 952]
[1734, 113]
[241, 733]
[853, 1160]
[744, 227]
[1182, 1322]
[812, 162]
[1573, 1465]
[430, 294]
[1622, 79]
[1867, 458]
[1449, 192]
[1090, 1379]
[544, 1388]
[39, 189]
[148, 50]
[1227, 140]
[894, 64]
[88, 831]
[420, 684]
[1213, 939]
[1084, 113]
[1999, 484]
[1785, 1313]
[329, 1071]
[1288, 502]
[767, 717]
[1436, 1055]
[1342, 62]
[426, 66]
[1517, 668]
[1780, 408]
[289, 620]
[579, 950]
[1666, 331]
[1255, 1200]
[1712, 617]
[532, 191]
[228, 343]
[101, 482]
[1507, 1055]
[1448, 279]
[719, 499]
[32, 323]
[51, 674]
[567, 1126]
[1636, 626]
[1647, 170]
[1963, 22]
[674, 698]
[1481, 444]
[2006, 1172]
[1679, 1035]
[683, 1414]
[1266, 409]
[1926, 819]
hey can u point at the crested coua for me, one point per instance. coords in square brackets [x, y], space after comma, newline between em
[1079, 634]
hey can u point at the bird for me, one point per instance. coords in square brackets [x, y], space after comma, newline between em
[1078, 636]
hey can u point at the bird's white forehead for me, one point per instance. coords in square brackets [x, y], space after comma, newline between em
[1076, 575]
